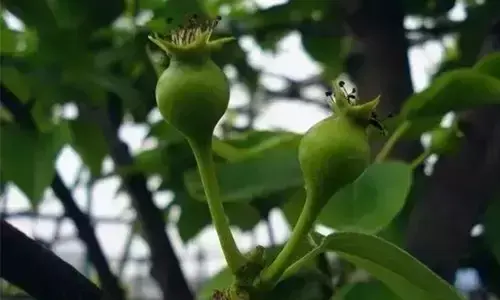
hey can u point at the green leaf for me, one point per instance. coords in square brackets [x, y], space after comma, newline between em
[120, 86]
[150, 162]
[373, 290]
[278, 140]
[242, 215]
[269, 171]
[43, 114]
[165, 132]
[372, 201]
[303, 285]
[492, 227]
[416, 128]
[271, 201]
[395, 232]
[457, 90]
[293, 207]
[151, 4]
[90, 144]
[454, 91]
[254, 142]
[89, 15]
[27, 158]
[16, 83]
[194, 216]
[225, 150]
[398, 270]
[8, 41]
[489, 65]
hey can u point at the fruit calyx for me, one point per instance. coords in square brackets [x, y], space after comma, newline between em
[343, 104]
[191, 39]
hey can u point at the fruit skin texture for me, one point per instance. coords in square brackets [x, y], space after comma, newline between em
[332, 154]
[192, 95]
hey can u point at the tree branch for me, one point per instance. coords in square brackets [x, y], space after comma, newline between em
[108, 281]
[86, 233]
[38, 271]
[165, 266]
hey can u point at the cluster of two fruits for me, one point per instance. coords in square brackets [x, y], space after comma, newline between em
[193, 94]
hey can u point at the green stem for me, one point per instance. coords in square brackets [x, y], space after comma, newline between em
[296, 266]
[203, 155]
[391, 142]
[311, 240]
[417, 161]
[272, 274]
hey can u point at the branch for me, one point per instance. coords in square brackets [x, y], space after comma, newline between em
[108, 281]
[165, 266]
[86, 233]
[38, 271]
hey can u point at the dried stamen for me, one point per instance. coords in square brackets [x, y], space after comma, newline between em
[350, 97]
[191, 29]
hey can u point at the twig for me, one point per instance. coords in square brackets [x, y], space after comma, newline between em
[165, 264]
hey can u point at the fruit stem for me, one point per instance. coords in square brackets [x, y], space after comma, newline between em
[419, 159]
[296, 266]
[391, 142]
[271, 275]
[206, 168]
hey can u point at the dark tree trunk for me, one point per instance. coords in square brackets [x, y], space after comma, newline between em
[380, 65]
[459, 190]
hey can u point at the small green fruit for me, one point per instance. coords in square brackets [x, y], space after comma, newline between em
[332, 154]
[445, 140]
[192, 94]
[335, 151]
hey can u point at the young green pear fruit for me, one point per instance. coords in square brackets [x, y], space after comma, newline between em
[192, 93]
[332, 154]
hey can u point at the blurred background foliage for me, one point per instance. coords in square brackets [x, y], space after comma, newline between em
[95, 57]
